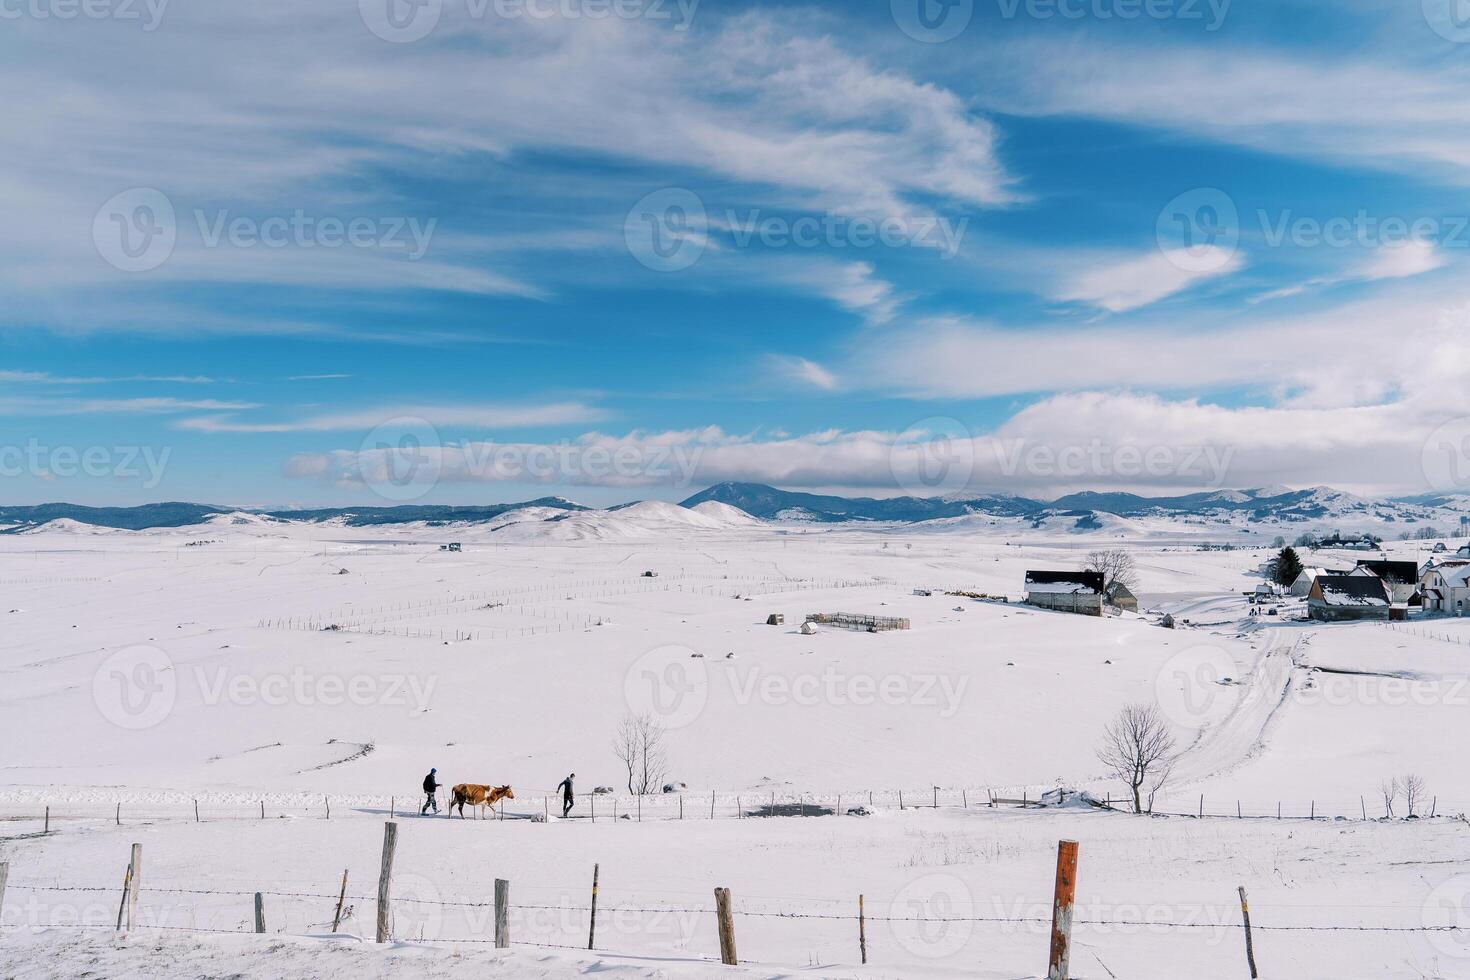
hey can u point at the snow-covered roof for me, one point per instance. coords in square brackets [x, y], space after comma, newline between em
[1351, 590]
[1064, 583]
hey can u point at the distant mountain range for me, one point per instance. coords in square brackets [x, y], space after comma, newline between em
[1275, 505]
[1269, 505]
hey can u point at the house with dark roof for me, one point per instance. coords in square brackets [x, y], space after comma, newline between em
[1064, 591]
[1348, 598]
[1401, 577]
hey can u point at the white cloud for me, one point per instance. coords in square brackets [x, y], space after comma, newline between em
[322, 108]
[1412, 258]
[1406, 114]
[116, 406]
[445, 416]
[1355, 353]
[807, 372]
[1118, 284]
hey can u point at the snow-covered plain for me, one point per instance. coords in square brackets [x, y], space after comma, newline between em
[246, 663]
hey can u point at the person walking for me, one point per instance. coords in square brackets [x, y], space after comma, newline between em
[567, 796]
[431, 786]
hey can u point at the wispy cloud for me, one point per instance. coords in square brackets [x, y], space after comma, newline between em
[1122, 283]
[444, 416]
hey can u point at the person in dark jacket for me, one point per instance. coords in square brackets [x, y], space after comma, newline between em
[567, 797]
[431, 786]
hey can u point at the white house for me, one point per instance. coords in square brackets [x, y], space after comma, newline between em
[1303, 583]
[1446, 587]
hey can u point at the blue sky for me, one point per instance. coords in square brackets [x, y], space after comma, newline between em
[816, 245]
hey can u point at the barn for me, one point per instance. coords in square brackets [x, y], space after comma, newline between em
[1402, 577]
[1348, 598]
[1065, 591]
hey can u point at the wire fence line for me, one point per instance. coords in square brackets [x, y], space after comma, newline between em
[1150, 921]
[28, 819]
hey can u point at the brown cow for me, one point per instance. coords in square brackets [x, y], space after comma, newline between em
[478, 796]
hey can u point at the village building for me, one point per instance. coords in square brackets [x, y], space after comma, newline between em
[1446, 587]
[1401, 577]
[1073, 592]
[1346, 598]
[1121, 597]
[1303, 582]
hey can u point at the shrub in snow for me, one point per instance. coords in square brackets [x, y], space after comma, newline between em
[675, 787]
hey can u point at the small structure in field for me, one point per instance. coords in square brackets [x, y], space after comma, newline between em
[776, 619]
[650, 574]
[1122, 597]
[858, 621]
[453, 546]
[1074, 592]
[1348, 598]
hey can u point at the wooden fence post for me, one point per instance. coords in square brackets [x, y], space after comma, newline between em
[1250, 950]
[592, 926]
[385, 879]
[502, 913]
[117, 815]
[122, 903]
[4, 874]
[1059, 963]
[341, 897]
[259, 912]
[727, 927]
[196, 811]
[712, 806]
[133, 878]
[862, 931]
[46, 827]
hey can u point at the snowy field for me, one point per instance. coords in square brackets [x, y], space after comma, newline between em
[251, 701]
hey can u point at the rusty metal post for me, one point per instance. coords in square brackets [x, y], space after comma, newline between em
[1059, 965]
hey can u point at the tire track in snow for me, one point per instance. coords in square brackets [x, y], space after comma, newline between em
[1243, 734]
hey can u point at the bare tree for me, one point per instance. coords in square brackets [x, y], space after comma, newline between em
[1415, 789]
[1116, 566]
[1389, 788]
[1138, 748]
[639, 745]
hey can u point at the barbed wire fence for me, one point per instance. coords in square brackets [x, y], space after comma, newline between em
[408, 908]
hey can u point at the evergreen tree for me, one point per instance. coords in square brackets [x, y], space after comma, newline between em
[1288, 566]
